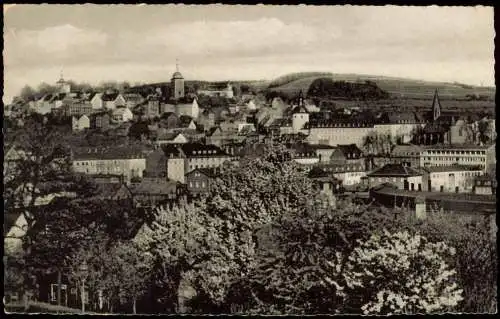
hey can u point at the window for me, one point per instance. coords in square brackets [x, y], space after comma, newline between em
[197, 185]
[191, 184]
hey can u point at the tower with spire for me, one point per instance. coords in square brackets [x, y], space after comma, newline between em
[62, 85]
[436, 106]
[300, 115]
[177, 83]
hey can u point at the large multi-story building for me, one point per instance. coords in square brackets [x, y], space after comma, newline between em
[125, 161]
[218, 91]
[470, 155]
[187, 157]
[334, 132]
[76, 109]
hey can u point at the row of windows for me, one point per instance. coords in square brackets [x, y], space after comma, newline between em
[457, 159]
[196, 184]
[466, 174]
[455, 152]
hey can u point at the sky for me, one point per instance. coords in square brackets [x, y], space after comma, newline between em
[140, 43]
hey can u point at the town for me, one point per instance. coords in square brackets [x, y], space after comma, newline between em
[250, 197]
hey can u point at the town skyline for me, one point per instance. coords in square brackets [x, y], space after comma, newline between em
[216, 43]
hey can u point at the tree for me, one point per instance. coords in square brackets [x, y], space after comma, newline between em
[302, 270]
[400, 273]
[41, 173]
[27, 93]
[136, 266]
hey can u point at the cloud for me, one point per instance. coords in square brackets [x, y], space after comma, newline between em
[58, 42]
[230, 37]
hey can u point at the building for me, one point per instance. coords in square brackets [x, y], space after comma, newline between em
[347, 154]
[300, 115]
[187, 157]
[171, 138]
[132, 99]
[349, 174]
[99, 120]
[188, 109]
[177, 84]
[334, 132]
[96, 100]
[324, 152]
[81, 123]
[151, 108]
[112, 99]
[324, 181]
[76, 109]
[304, 154]
[454, 178]
[127, 161]
[153, 191]
[406, 154]
[199, 180]
[122, 115]
[403, 177]
[63, 86]
[399, 126]
[485, 185]
[469, 155]
[217, 90]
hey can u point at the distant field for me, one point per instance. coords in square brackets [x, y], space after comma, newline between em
[396, 87]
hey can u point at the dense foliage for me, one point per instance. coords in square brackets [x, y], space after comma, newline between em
[328, 88]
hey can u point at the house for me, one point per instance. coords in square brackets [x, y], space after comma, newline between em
[324, 181]
[100, 120]
[485, 185]
[189, 156]
[462, 154]
[216, 136]
[129, 162]
[324, 152]
[218, 90]
[170, 120]
[155, 191]
[167, 108]
[199, 180]
[81, 123]
[76, 109]
[347, 154]
[207, 119]
[114, 191]
[112, 99]
[186, 123]
[132, 99]
[304, 154]
[403, 177]
[406, 154]
[96, 101]
[349, 174]
[122, 114]
[453, 178]
[171, 138]
[189, 109]
[152, 106]
[156, 164]
[251, 105]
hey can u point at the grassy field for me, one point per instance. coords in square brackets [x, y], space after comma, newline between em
[396, 87]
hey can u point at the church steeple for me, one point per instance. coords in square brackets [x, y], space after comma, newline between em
[436, 106]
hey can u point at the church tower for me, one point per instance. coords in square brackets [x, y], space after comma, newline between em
[63, 86]
[177, 83]
[300, 115]
[436, 106]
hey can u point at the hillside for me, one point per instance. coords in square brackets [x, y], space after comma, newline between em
[396, 87]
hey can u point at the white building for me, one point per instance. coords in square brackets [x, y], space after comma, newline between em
[335, 133]
[122, 115]
[454, 178]
[81, 123]
[468, 155]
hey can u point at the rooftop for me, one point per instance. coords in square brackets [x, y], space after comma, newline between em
[394, 170]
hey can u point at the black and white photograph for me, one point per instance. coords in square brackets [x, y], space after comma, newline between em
[226, 159]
